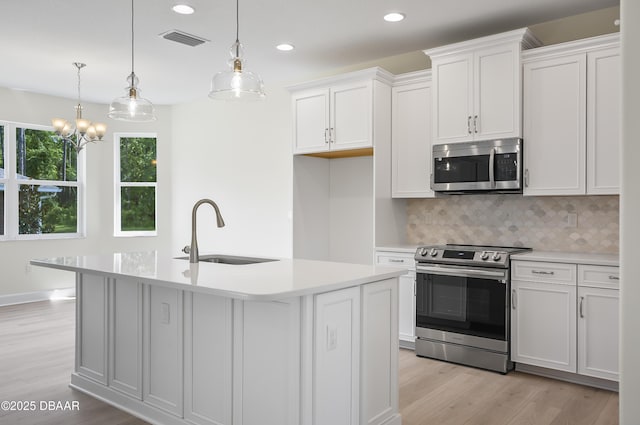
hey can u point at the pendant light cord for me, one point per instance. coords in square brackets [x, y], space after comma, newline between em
[132, 37]
[79, 68]
[237, 21]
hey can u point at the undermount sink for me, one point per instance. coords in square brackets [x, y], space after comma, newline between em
[230, 259]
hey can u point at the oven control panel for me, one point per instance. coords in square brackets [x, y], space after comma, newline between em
[453, 255]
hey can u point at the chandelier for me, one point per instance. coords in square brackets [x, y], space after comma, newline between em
[85, 131]
[132, 106]
[236, 83]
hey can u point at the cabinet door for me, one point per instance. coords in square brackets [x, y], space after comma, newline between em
[598, 332]
[411, 141]
[407, 307]
[543, 325]
[453, 99]
[554, 126]
[351, 113]
[125, 333]
[91, 329]
[497, 107]
[311, 121]
[603, 121]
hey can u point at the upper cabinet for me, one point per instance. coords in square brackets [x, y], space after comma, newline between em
[477, 87]
[336, 114]
[571, 118]
[411, 136]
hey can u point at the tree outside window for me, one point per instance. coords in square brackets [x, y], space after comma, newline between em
[136, 173]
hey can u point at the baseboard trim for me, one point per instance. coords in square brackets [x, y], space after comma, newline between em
[32, 297]
[574, 378]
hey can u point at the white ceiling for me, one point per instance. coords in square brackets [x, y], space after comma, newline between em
[41, 39]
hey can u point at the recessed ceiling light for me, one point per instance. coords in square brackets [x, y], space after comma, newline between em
[183, 9]
[285, 47]
[394, 17]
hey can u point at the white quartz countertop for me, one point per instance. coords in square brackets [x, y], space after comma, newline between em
[261, 281]
[569, 257]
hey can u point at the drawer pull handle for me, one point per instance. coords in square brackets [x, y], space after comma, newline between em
[395, 260]
[513, 299]
[542, 272]
[614, 277]
[581, 305]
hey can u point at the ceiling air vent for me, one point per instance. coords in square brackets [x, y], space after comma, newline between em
[183, 38]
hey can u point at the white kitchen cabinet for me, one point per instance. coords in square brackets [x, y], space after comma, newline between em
[336, 114]
[603, 121]
[543, 315]
[571, 125]
[565, 317]
[411, 136]
[598, 310]
[406, 293]
[477, 88]
[92, 328]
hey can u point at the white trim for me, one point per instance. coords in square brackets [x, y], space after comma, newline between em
[375, 73]
[572, 47]
[31, 297]
[523, 36]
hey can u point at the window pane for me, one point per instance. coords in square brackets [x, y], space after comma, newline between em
[42, 155]
[138, 208]
[138, 159]
[47, 209]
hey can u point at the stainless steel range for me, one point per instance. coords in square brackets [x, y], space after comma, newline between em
[462, 304]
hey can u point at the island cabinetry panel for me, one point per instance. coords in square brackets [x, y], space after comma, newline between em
[92, 328]
[336, 362]
[267, 362]
[125, 334]
[208, 354]
[379, 400]
[163, 345]
[571, 113]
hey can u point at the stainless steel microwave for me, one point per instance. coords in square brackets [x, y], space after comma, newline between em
[483, 166]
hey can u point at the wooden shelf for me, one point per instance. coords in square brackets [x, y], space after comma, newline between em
[343, 154]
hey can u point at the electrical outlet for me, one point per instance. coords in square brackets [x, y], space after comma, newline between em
[332, 337]
[572, 220]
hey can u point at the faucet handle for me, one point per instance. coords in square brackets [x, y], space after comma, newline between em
[186, 249]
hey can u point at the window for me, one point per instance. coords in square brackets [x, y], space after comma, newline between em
[135, 188]
[40, 184]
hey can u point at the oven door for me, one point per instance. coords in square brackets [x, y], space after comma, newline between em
[467, 305]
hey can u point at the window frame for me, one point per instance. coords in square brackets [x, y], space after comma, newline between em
[13, 184]
[118, 185]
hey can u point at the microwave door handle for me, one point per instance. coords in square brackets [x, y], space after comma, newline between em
[492, 164]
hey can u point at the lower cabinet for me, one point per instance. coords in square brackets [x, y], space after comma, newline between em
[406, 293]
[565, 317]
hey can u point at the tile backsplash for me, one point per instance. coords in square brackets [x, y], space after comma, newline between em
[549, 223]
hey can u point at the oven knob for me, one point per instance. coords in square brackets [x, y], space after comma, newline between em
[433, 252]
[496, 256]
[484, 255]
[423, 251]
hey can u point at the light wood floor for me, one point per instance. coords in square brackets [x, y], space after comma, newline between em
[36, 360]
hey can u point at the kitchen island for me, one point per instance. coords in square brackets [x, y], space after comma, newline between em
[285, 342]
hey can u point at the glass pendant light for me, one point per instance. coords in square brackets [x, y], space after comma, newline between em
[132, 107]
[236, 83]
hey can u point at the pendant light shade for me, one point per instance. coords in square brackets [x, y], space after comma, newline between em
[236, 83]
[131, 106]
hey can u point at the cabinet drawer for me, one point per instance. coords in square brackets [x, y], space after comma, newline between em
[395, 259]
[599, 276]
[544, 272]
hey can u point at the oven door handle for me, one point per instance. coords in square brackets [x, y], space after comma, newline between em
[463, 272]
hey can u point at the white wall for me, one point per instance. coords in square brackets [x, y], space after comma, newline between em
[16, 276]
[629, 216]
[238, 155]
